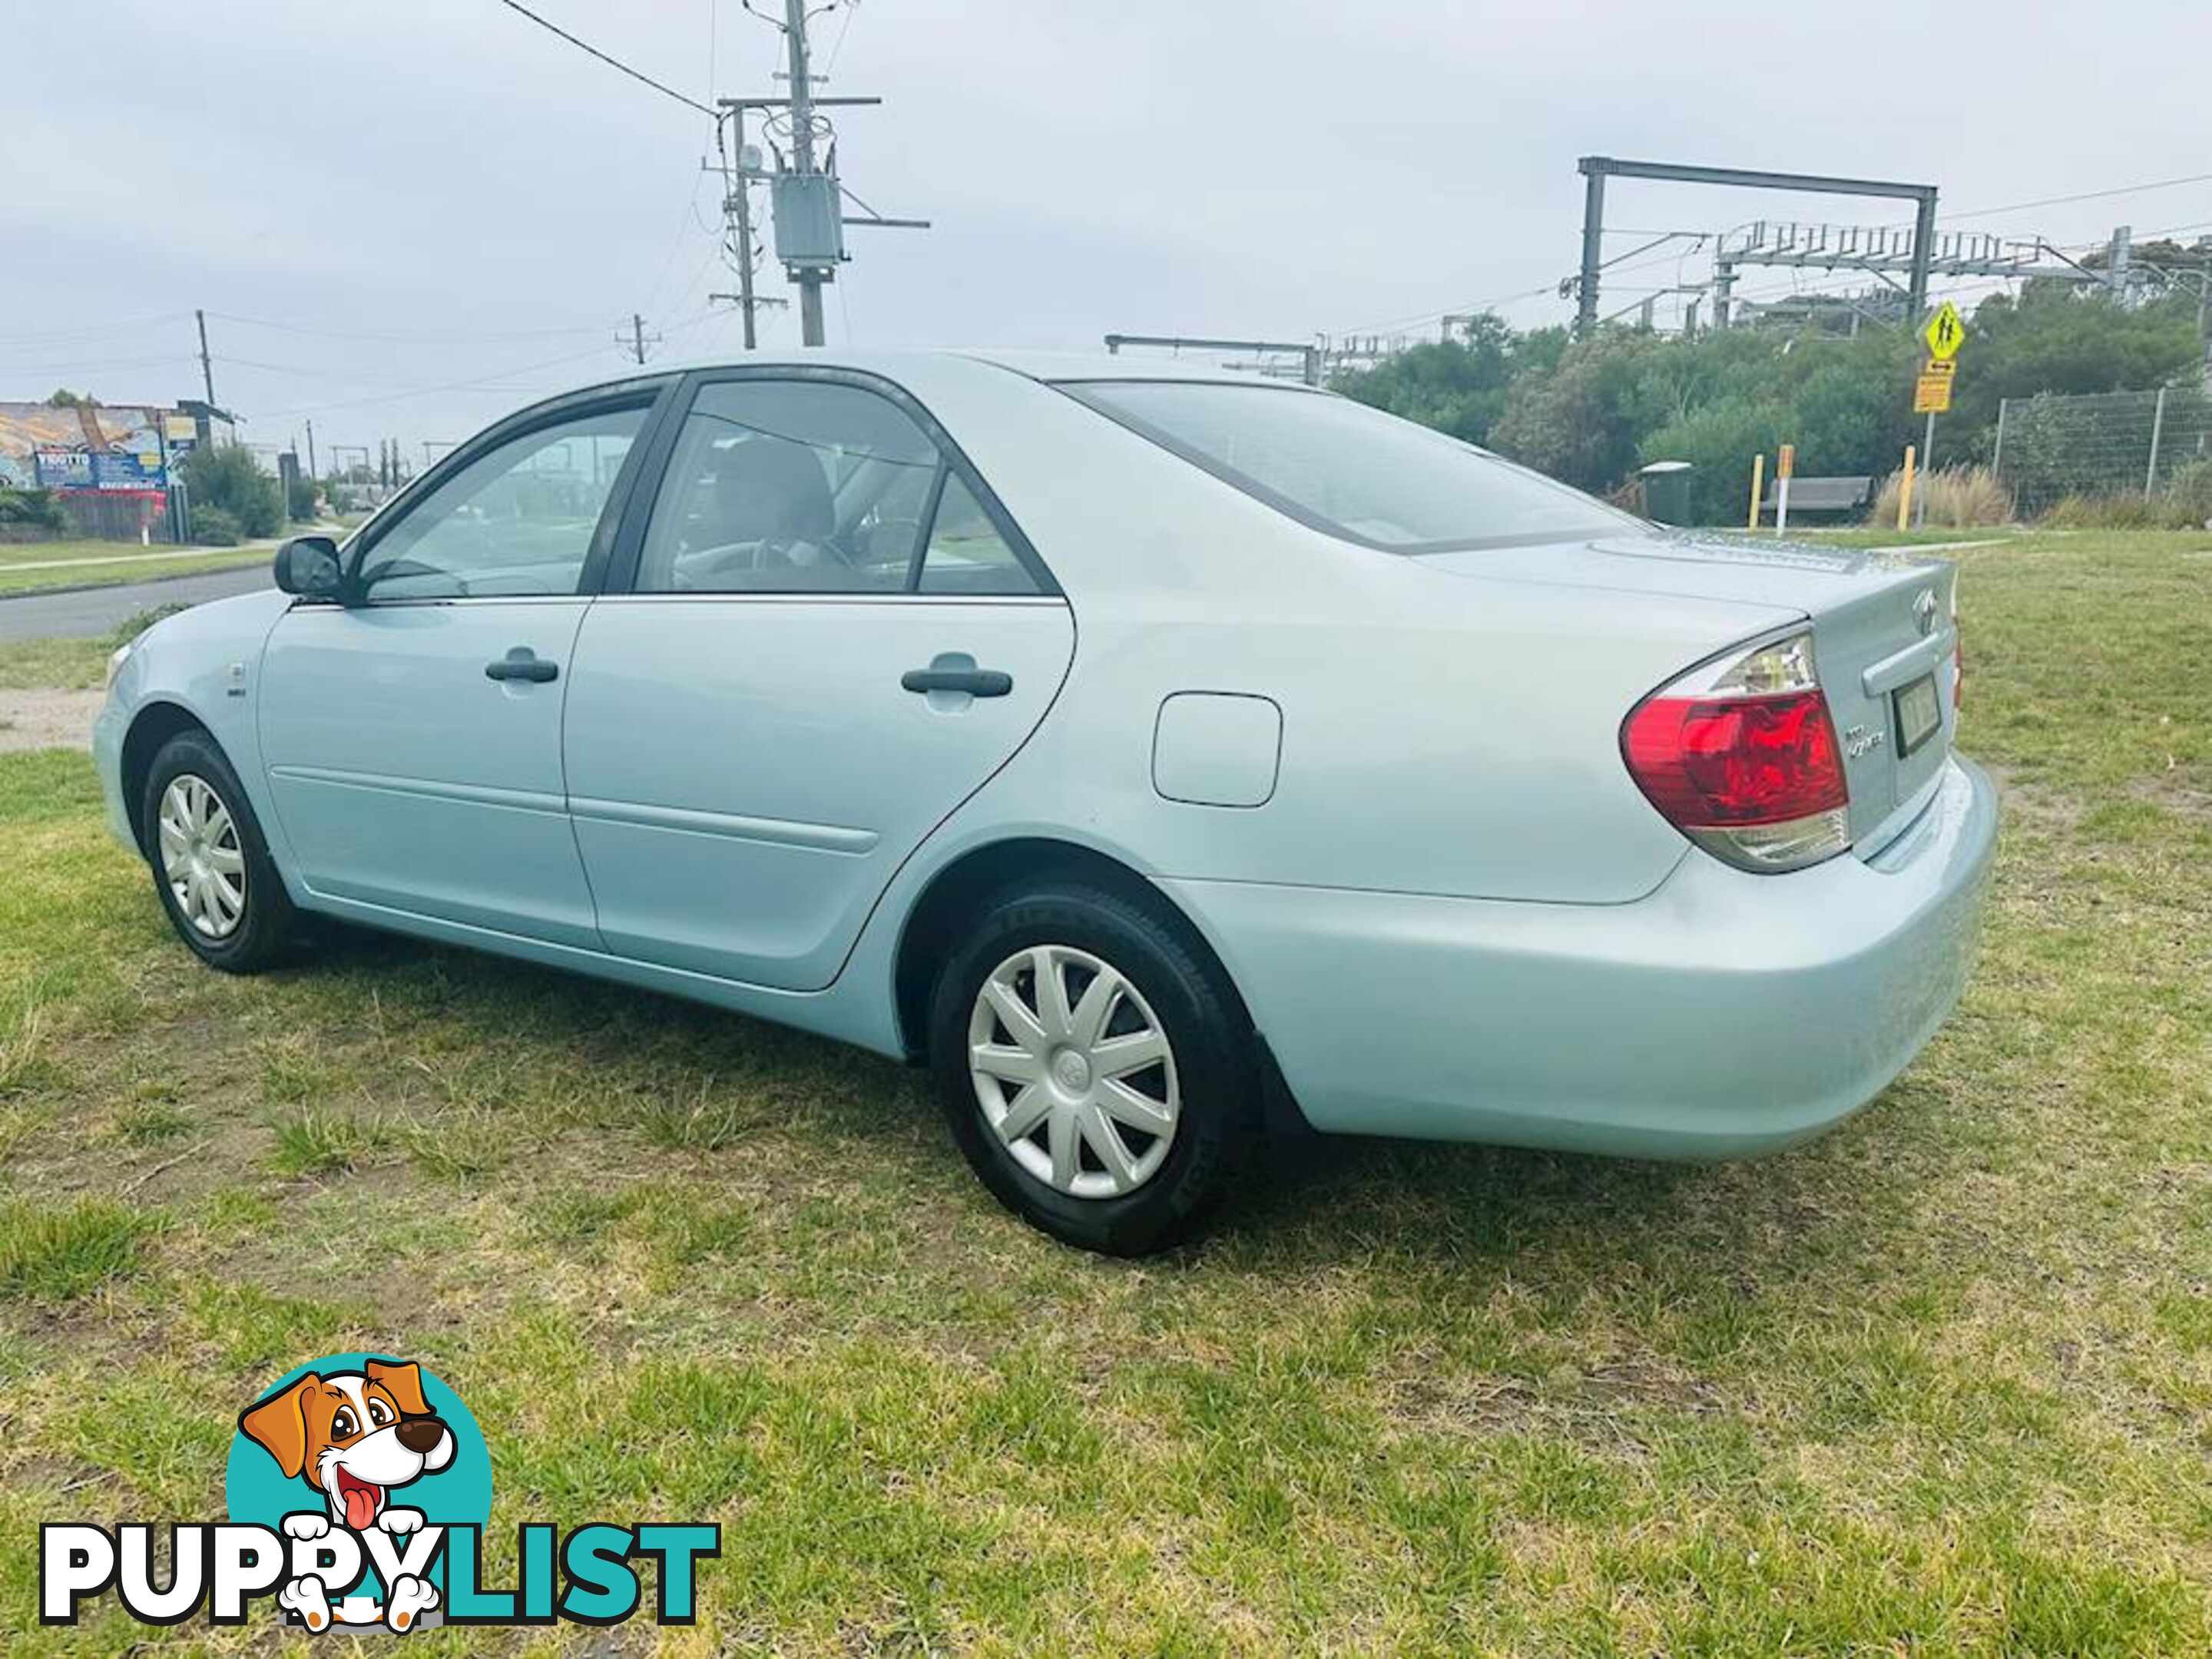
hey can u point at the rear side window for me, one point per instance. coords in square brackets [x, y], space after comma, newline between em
[789, 487]
[1351, 470]
[966, 552]
[819, 487]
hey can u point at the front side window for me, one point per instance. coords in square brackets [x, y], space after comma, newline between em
[517, 521]
[789, 487]
[1352, 471]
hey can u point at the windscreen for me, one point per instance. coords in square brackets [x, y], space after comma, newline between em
[1352, 471]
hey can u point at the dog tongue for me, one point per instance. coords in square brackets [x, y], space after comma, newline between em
[359, 1507]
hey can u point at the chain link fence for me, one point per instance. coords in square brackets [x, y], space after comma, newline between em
[2100, 445]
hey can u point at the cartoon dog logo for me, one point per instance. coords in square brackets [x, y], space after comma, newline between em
[356, 1436]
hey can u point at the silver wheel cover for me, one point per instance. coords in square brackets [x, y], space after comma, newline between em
[201, 858]
[1074, 1071]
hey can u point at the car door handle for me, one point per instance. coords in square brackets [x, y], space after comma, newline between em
[976, 682]
[522, 664]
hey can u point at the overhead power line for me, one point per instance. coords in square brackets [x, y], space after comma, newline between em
[482, 382]
[639, 76]
[456, 337]
[2082, 196]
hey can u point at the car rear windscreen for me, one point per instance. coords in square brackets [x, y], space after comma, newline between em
[1352, 471]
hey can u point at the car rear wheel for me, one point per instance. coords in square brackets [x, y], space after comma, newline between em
[1096, 1067]
[211, 863]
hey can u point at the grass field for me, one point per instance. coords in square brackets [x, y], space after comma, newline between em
[30, 566]
[1940, 1383]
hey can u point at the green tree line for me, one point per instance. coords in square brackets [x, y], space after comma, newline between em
[1592, 412]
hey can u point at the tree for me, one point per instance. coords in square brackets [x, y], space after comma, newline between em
[65, 399]
[228, 478]
[1457, 385]
[1582, 421]
[2059, 338]
[1590, 411]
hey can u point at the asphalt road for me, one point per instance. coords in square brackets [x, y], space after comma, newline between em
[96, 610]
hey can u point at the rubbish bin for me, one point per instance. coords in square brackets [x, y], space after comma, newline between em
[1667, 490]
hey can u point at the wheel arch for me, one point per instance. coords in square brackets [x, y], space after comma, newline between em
[953, 893]
[152, 726]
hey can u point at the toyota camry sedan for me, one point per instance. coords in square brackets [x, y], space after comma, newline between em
[1158, 756]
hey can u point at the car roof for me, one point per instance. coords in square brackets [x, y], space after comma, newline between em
[906, 366]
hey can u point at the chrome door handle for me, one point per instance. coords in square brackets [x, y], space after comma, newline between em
[522, 664]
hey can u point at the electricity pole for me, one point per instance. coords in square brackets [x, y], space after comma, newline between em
[807, 198]
[207, 369]
[737, 171]
[636, 343]
[311, 472]
[811, 276]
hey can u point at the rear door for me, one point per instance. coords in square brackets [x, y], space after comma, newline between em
[412, 737]
[832, 635]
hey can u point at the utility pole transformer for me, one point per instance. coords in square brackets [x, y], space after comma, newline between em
[806, 197]
[1596, 169]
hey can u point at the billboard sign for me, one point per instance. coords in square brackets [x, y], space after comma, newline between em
[42, 447]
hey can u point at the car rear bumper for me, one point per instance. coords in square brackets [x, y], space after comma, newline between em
[1723, 1015]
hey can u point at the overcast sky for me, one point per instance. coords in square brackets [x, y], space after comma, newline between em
[427, 192]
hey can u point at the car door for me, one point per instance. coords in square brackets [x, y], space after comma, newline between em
[831, 636]
[412, 735]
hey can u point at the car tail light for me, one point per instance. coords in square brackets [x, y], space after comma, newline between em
[1741, 756]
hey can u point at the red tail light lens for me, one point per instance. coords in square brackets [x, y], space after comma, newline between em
[1755, 777]
[1712, 765]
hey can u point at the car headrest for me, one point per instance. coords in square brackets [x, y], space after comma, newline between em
[771, 489]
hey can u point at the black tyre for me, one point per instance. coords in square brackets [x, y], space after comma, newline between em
[210, 862]
[1095, 1066]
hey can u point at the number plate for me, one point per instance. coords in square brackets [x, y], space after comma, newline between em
[1920, 713]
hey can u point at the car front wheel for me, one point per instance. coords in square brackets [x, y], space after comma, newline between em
[1096, 1067]
[211, 863]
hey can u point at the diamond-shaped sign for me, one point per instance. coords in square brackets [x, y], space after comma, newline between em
[1945, 333]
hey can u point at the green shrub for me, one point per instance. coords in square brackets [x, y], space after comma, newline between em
[227, 475]
[35, 508]
[216, 526]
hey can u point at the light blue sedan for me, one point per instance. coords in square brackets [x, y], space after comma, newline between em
[1156, 754]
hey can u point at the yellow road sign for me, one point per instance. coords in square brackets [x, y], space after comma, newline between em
[1787, 463]
[1944, 366]
[1931, 395]
[1946, 332]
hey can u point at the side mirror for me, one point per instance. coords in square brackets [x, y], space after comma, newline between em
[308, 566]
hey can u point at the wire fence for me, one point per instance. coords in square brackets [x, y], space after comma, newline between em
[2102, 445]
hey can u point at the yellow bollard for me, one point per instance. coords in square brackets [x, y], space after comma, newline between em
[1758, 484]
[1905, 492]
